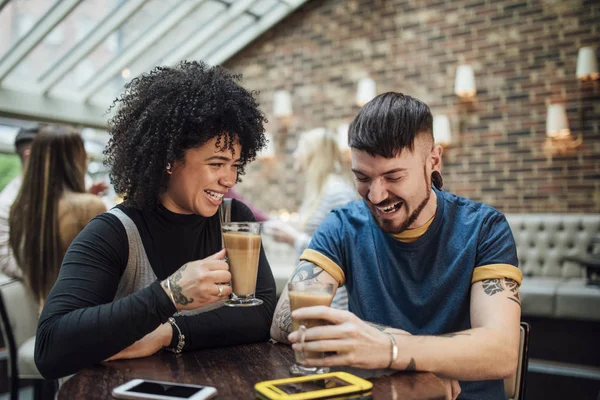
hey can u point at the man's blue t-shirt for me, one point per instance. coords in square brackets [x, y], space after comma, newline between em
[423, 286]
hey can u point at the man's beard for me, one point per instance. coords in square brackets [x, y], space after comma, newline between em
[411, 218]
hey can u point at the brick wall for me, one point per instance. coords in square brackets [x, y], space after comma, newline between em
[524, 55]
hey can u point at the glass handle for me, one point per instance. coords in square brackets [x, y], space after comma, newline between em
[302, 330]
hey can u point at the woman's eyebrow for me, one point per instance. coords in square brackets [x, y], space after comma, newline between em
[221, 158]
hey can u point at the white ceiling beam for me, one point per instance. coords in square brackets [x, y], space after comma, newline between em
[181, 11]
[248, 35]
[24, 105]
[2, 4]
[112, 22]
[27, 43]
[187, 49]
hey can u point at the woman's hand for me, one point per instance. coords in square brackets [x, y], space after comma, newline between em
[148, 345]
[199, 282]
[356, 343]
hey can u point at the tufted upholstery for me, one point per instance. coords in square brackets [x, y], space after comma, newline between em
[552, 286]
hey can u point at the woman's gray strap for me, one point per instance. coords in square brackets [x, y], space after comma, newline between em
[138, 273]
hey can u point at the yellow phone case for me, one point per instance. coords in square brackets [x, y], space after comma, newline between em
[356, 386]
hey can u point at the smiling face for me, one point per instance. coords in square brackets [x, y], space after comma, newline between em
[198, 183]
[398, 190]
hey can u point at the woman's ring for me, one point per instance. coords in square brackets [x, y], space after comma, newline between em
[220, 287]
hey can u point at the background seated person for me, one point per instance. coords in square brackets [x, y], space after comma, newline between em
[23, 141]
[179, 140]
[427, 270]
[326, 187]
[51, 207]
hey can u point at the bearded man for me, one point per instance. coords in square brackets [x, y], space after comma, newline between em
[432, 277]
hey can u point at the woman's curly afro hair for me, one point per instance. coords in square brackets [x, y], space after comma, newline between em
[163, 113]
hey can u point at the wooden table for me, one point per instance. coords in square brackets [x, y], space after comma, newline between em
[234, 371]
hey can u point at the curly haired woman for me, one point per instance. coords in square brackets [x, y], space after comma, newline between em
[180, 139]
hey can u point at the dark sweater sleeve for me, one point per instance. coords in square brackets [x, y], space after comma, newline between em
[80, 324]
[228, 326]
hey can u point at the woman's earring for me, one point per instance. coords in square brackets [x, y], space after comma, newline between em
[168, 168]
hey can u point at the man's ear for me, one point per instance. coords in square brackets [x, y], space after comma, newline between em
[436, 158]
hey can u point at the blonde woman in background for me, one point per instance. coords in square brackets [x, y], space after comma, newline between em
[52, 207]
[319, 159]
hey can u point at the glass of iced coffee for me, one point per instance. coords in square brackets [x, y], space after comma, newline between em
[308, 294]
[242, 242]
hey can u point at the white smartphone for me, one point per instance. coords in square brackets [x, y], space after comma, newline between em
[146, 389]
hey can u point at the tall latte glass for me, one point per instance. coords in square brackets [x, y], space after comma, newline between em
[308, 294]
[242, 242]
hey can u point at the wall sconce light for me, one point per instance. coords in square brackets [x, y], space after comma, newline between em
[557, 130]
[268, 152]
[342, 137]
[282, 104]
[442, 133]
[587, 66]
[283, 112]
[365, 91]
[464, 83]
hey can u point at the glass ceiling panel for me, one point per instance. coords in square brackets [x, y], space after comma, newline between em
[17, 18]
[63, 37]
[234, 29]
[263, 6]
[185, 30]
[115, 44]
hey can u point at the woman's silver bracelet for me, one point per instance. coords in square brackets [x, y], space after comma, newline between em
[180, 340]
[171, 294]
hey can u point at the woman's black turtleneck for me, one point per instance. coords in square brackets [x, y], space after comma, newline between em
[81, 324]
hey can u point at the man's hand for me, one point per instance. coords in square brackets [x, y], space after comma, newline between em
[98, 188]
[148, 345]
[356, 343]
[200, 282]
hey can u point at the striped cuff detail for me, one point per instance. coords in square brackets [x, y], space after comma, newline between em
[497, 271]
[324, 262]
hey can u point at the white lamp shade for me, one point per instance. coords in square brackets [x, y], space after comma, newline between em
[464, 83]
[269, 151]
[342, 136]
[366, 91]
[442, 133]
[557, 124]
[587, 65]
[282, 104]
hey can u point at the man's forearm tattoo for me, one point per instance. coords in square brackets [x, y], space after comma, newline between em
[412, 365]
[306, 271]
[177, 290]
[284, 317]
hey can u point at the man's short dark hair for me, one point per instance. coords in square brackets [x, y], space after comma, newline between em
[388, 124]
